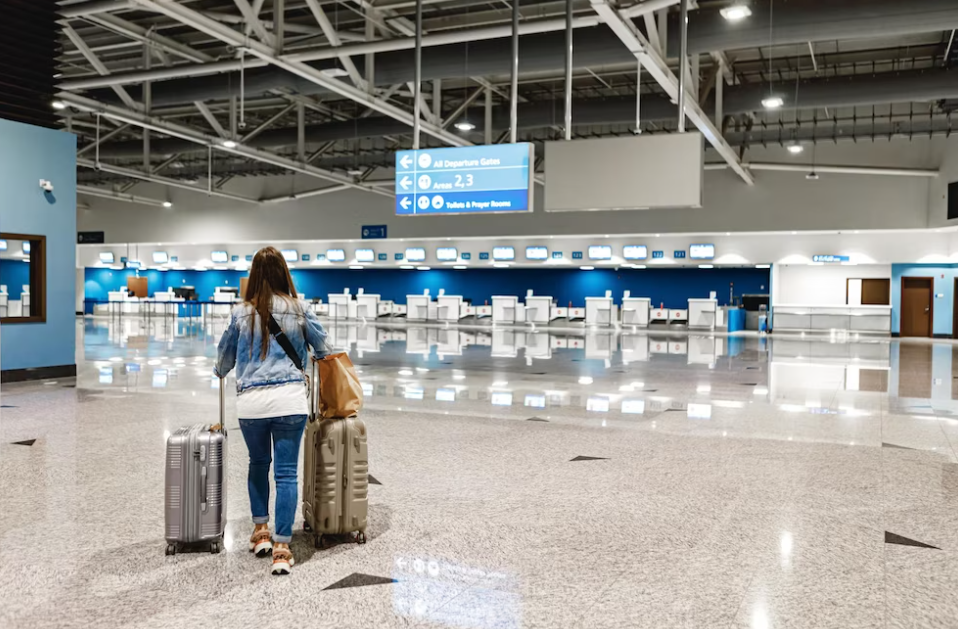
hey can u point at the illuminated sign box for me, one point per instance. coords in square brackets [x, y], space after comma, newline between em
[107, 257]
[537, 253]
[365, 255]
[415, 254]
[219, 257]
[503, 253]
[447, 254]
[600, 252]
[159, 257]
[702, 252]
[635, 252]
[290, 255]
[830, 258]
[336, 255]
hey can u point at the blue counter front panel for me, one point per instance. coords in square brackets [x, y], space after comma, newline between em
[474, 179]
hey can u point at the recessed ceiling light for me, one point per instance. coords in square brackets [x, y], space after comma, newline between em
[795, 149]
[586, 268]
[407, 267]
[167, 204]
[230, 144]
[763, 266]
[355, 172]
[59, 104]
[334, 72]
[772, 102]
[736, 12]
[812, 176]
[706, 266]
[465, 125]
[460, 267]
[422, 268]
[356, 267]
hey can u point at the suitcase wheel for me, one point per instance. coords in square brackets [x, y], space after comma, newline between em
[306, 527]
[170, 549]
[320, 542]
[216, 547]
[361, 537]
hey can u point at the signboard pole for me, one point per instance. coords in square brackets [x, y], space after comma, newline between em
[417, 97]
[514, 94]
[683, 60]
[568, 69]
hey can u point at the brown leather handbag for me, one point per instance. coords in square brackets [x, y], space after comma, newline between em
[340, 394]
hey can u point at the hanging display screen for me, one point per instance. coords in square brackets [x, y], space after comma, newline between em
[290, 255]
[701, 252]
[365, 255]
[336, 255]
[447, 254]
[600, 252]
[503, 253]
[537, 253]
[635, 252]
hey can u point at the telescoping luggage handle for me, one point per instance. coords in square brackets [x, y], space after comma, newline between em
[312, 389]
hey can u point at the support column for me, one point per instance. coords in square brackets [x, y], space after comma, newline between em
[683, 62]
[514, 92]
[417, 95]
[567, 119]
[487, 127]
[437, 101]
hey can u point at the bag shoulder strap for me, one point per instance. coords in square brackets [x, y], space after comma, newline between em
[284, 342]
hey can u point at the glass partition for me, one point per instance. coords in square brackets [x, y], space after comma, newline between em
[22, 279]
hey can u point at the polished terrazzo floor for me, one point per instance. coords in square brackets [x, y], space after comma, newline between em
[550, 479]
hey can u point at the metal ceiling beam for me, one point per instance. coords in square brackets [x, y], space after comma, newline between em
[141, 34]
[252, 20]
[193, 135]
[837, 170]
[626, 31]
[93, 8]
[173, 183]
[98, 65]
[227, 35]
[304, 195]
[333, 37]
[119, 196]
[210, 118]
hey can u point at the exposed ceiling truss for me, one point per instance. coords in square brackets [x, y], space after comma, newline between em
[194, 93]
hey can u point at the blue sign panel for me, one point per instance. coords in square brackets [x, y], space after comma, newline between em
[484, 255]
[123, 260]
[658, 254]
[678, 254]
[556, 255]
[399, 256]
[305, 257]
[374, 231]
[383, 256]
[174, 258]
[235, 259]
[469, 179]
[465, 256]
[576, 255]
[829, 258]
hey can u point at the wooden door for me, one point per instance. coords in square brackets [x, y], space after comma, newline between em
[138, 287]
[917, 306]
[876, 292]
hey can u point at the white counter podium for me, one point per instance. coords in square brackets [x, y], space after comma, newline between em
[635, 310]
[342, 305]
[600, 310]
[507, 310]
[702, 314]
[420, 307]
[367, 306]
[538, 309]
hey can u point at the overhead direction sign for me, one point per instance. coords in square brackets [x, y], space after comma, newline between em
[464, 180]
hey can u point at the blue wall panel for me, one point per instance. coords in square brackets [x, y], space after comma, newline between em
[14, 274]
[673, 287]
[944, 300]
[27, 155]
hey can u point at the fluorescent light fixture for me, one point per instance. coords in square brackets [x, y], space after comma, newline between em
[587, 268]
[465, 125]
[585, 380]
[58, 104]
[460, 267]
[502, 398]
[500, 265]
[795, 149]
[600, 252]
[736, 12]
[365, 255]
[503, 253]
[635, 252]
[415, 254]
[598, 404]
[405, 372]
[812, 176]
[772, 102]
[106, 257]
[25, 247]
[220, 268]
[413, 393]
[706, 266]
[290, 255]
[356, 267]
[699, 411]
[537, 253]
[638, 266]
[763, 266]
[447, 254]
[445, 395]
[535, 400]
[334, 73]
[633, 407]
[336, 255]
[230, 144]
[160, 257]
[407, 267]
[167, 204]
[423, 268]
[219, 257]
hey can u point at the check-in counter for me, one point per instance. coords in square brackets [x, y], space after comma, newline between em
[4, 303]
[507, 310]
[659, 314]
[678, 316]
[801, 317]
[702, 314]
[367, 306]
[342, 306]
[635, 347]
[636, 311]
[704, 350]
[420, 308]
[600, 345]
[506, 343]
[482, 312]
[538, 309]
[537, 345]
[600, 311]
[451, 308]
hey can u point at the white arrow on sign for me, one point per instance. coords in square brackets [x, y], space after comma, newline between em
[405, 182]
[405, 203]
[405, 161]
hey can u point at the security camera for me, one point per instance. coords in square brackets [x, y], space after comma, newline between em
[46, 185]
[241, 124]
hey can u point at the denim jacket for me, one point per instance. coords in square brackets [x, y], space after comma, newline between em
[239, 348]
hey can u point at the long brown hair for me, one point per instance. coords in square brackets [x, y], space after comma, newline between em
[268, 277]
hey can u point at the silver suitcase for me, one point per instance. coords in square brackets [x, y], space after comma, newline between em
[335, 476]
[196, 485]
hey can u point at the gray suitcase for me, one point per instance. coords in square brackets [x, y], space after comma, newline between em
[335, 476]
[196, 485]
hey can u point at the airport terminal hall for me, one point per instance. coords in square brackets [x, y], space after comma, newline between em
[479, 314]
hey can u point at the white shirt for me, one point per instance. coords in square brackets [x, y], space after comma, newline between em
[279, 401]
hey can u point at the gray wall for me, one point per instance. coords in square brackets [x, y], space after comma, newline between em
[778, 202]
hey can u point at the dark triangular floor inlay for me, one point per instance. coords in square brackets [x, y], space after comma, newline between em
[892, 538]
[28, 442]
[537, 419]
[749, 384]
[357, 579]
[751, 367]
[372, 480]
[892, 445]
[7, 406]
[649, 390]
[589, 458]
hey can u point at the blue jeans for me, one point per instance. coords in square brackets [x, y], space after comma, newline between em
[286, 433]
